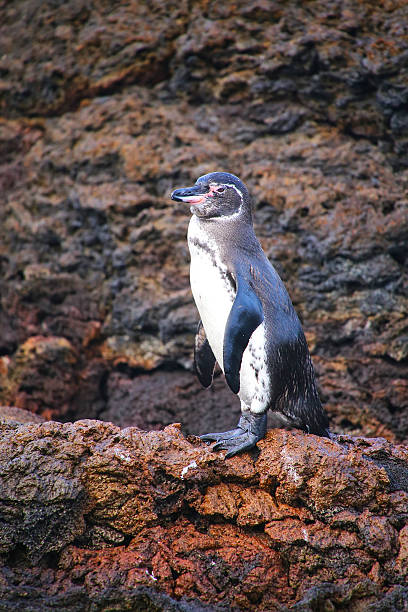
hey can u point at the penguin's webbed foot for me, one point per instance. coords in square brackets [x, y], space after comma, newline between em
[236, 445]
[250, 429]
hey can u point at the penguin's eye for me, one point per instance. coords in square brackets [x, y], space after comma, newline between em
[219, 189]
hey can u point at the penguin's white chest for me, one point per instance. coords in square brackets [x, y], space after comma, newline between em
[214, 296]
[212, 291]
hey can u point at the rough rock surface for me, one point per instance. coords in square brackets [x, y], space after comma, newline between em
[105, 109]
[101, 518]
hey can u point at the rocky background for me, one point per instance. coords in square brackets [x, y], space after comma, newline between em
[105, 107]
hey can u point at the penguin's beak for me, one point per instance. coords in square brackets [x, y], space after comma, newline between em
[191, 195]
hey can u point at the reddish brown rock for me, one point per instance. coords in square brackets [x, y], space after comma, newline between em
[103, 112]
[96, 516]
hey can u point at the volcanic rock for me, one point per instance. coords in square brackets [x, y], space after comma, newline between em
[104, 110]
[96, 517]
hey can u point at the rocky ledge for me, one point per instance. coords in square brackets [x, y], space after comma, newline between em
[102, 518]
[104, 109]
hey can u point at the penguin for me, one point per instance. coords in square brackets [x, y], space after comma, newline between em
[248, 324]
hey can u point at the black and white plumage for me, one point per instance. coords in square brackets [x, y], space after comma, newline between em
[248, 323]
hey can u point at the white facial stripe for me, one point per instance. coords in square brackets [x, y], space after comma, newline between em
[229, 185]
[237, 190]
[234, 214]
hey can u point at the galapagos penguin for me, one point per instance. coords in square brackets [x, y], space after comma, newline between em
[248, 323]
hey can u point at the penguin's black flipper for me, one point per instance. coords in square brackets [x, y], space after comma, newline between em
[204, 360]
[245, 316]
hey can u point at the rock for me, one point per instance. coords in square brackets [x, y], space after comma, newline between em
[42, 374]
[103, 113]
[149, 400]
[17, 415]
[95, 516]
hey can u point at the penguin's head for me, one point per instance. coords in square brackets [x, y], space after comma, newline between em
[216, 195]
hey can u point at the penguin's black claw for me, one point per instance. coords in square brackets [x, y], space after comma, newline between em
[251, 428]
